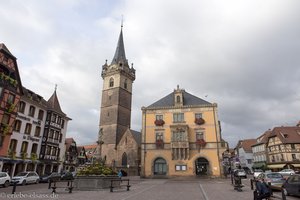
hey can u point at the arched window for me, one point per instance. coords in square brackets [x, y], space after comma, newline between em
[111, 82]
[160, 166]
[178, 99]
[124, 159]
[125, 84]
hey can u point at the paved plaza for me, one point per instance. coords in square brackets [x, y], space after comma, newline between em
[151, 189]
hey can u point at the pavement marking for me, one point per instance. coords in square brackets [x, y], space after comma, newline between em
[139, 192]
[203, 192]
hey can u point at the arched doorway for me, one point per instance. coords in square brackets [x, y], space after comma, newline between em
[160, 166]
[201, 166]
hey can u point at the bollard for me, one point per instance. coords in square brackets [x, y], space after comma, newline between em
[14, 188]
[251, 182]
[283, 194]
[49, 186]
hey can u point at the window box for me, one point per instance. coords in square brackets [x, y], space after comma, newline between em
[159, 122]
[159, 143]
[199, 121]
[201, 142]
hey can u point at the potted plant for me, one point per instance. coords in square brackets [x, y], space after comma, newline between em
[159, 122]
[201, 142]
[199, 121]
[159, 143]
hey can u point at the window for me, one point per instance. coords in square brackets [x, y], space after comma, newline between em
[62, 123]
[125, 84]
[51, 133]
[1, 140]
[180, 167]
[294, 156]
[13, 145]
[41, 115]
[198, 115]
[60, 137]
[34, 148]
[159, 117]
[178, 117]
[31, 111]
[11, 98]
[17, 125]
[293, 146]
[160, 166]
[22, 106]
[178, 99]
[5, 119]
[24, 147]
[179, 136]
[111, 82]
[159, 136]
[48, 150]
[37, 131]
[28, 129]
[53, 118]
[199, 136]
[124, 159]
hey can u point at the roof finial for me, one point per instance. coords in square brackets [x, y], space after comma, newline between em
[122, 22]
[55, 87]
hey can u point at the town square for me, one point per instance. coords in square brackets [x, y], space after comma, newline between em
[156, 100]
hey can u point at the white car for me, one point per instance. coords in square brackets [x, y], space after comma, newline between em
[24, 178]
[4, 179]
[287, 172]
[257, 172]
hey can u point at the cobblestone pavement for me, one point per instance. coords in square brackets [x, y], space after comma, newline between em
[152, 189]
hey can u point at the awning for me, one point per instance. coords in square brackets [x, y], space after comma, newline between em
[276, 166]
[296, 165]
[258, 165]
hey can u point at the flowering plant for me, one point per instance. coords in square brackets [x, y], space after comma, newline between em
[201, 142]
[199, 121]
[159, 122]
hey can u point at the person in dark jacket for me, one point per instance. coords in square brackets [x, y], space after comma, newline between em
[262, 189]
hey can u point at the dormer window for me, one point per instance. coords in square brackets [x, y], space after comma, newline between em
[178, 99]
[111, 82]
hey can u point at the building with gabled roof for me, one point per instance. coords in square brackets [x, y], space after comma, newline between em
[260, 152]
[244, 155]
[283, 148]
[181, 136]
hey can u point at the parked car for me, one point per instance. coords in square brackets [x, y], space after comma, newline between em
[24, 178]
[4, 179]
[67, 176]
[240, 172]
[292, 185]
[257, 172]
[287, 172]
[275, 179]
[50, 177]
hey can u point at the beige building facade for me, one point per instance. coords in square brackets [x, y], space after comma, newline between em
[181, 137]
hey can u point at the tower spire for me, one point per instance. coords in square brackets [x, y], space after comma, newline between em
[120, 56]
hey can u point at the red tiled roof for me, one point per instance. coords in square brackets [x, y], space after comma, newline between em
[246, 144]
[287, 135]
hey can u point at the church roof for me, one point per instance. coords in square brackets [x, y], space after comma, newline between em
[137, 136]
[188, 100]
[120, 51]
[53, 104]
[4, 48]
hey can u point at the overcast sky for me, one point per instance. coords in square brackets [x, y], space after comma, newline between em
[242, 55]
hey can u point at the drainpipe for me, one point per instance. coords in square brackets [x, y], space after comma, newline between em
[218, 151]
[144, 141]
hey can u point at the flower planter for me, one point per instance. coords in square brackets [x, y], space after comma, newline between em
[159, 122]
[199, 121]
[95, 182]
[201, 142]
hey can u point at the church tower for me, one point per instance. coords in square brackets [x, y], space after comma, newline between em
[116, 101]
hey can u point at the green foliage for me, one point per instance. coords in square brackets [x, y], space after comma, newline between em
[96, 169]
